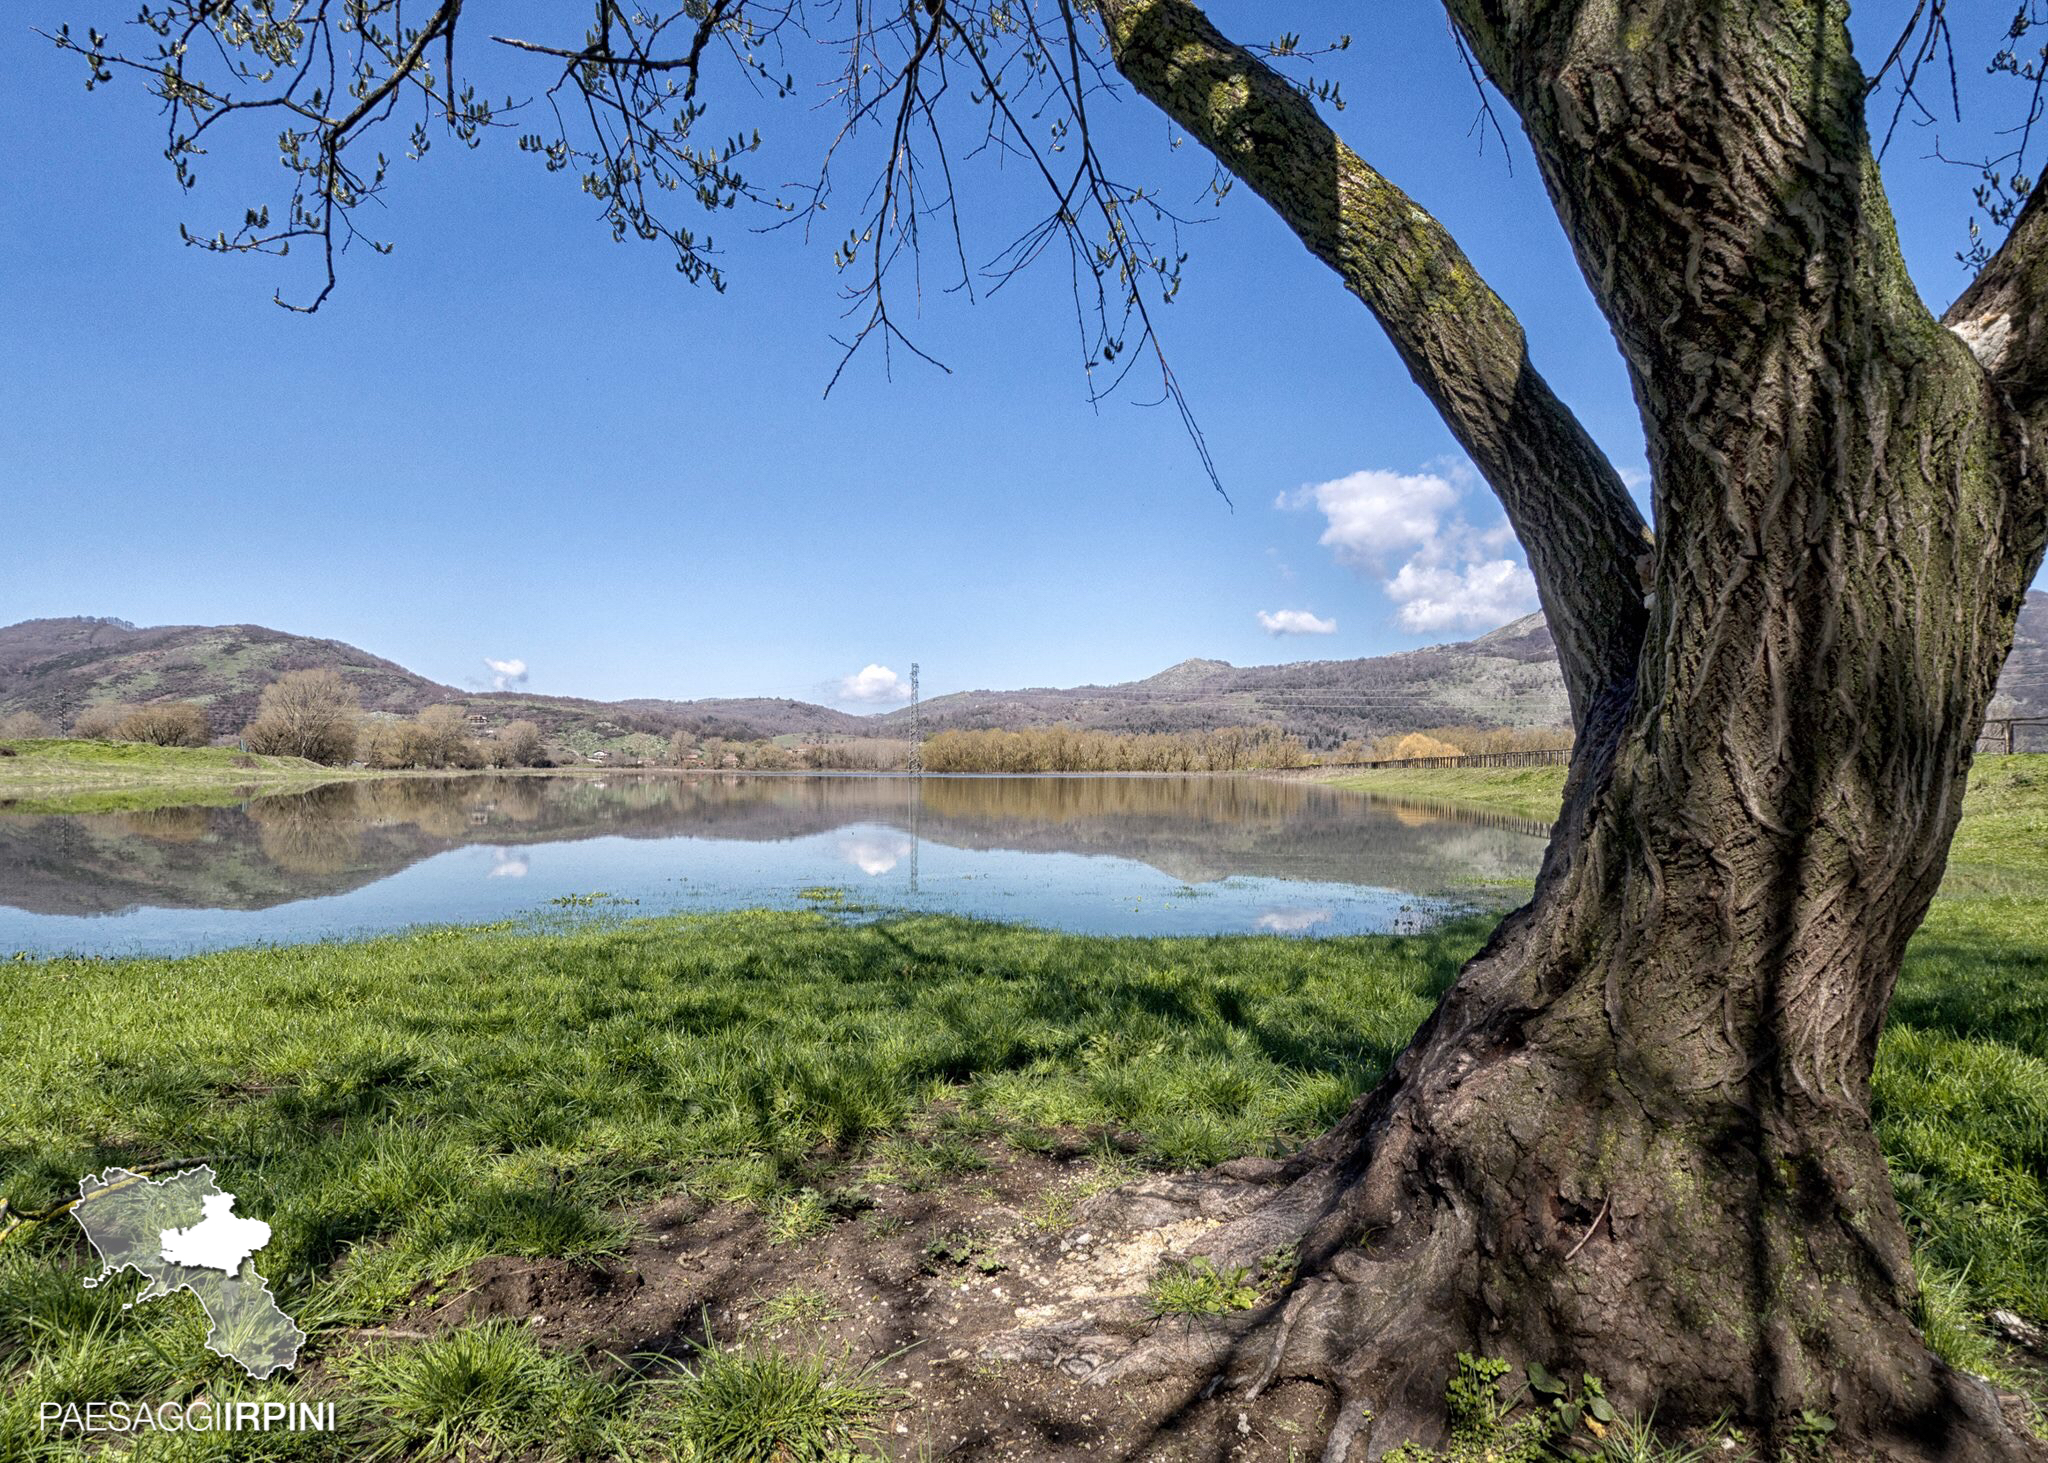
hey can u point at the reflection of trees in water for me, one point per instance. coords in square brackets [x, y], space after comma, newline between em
[518, 800]
[789, 806]
[350, 834]
[1423, 812]
[319, 832]
[1062, 800]
[1200, 829]
[1234, 801]
[169, 825]
[431, 806]
[1194, 828]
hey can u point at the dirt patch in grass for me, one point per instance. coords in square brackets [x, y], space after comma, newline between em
[533, 1291]
[920, 1279]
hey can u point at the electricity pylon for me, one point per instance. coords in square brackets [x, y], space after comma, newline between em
[916, 728]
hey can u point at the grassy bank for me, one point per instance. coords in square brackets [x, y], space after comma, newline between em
[1527, 792]
[59, 775]
[453, 1093]
[2005, 820]
[402, 1107]
[399, 1108]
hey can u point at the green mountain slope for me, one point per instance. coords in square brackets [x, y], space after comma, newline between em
[56, 668]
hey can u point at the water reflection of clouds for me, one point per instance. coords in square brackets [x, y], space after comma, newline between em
[1294, 921]
[1101, 856]
[875, 854]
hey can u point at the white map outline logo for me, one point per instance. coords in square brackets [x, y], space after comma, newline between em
[220, 1241]
[182, 1233]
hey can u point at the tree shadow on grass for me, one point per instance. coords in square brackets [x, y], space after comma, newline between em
[1982, 989]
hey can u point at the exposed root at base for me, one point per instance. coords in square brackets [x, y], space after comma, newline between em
[1379, 1330]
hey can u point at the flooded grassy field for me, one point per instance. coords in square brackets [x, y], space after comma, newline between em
[1092, 855]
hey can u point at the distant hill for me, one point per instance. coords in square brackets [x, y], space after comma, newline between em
[56, 668]
[2023, 686]
[1506, 678]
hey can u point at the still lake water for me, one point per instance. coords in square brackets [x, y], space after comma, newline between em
[1099, 855]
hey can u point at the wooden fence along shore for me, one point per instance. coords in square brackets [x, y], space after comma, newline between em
[2011, 734]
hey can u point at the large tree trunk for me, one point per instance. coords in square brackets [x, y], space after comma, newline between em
[1635, 1138]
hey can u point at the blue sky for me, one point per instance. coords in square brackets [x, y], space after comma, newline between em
[513, 440]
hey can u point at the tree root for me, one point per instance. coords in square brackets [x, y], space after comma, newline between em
[1315, 1331]
[1381, 1326]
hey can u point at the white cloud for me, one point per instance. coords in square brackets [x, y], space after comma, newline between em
[1475, 597]
[874, 684]
[1374, 515]
[508, 865]
[505, 674]
[1409, 531]
[1295, 622]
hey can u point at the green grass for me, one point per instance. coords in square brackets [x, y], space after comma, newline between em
[1497, 1416]
[1527, 792]
[797, 1307]
[1198, 1288]
[59, 775]
[2005, 820]
[488, 1390]
[398, 1108]
[761, 1406]
[418, 1101]
[1961, 1091]
[794, 1218]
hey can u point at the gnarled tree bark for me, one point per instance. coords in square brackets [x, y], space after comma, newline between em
[1635, 1137]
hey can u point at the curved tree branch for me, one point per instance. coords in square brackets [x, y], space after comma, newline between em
[442, 23]
[2003, 315]
[1461, 343]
